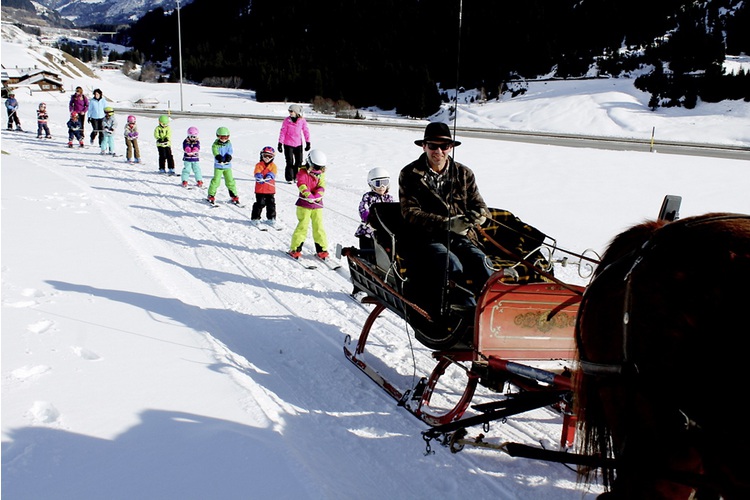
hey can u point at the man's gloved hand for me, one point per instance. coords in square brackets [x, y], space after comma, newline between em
[476, 217]
[510, 272]
[459, 224]
[280, 149]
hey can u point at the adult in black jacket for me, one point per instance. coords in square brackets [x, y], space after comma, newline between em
[441, 204]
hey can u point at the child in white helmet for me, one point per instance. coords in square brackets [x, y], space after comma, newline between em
[311, 182]
[379, 181]
[132, 153]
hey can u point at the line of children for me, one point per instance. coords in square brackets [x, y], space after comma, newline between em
[75, 129]
[222, 151]
[132, 152]
[107, 133]
[191, 148]
[41, 122]
[310, 178]
[311, 182]
[163, 136]
[265, 187]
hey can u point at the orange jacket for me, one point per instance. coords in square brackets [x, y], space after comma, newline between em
[265, 177]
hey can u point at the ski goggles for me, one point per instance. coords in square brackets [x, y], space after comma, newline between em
[192, 137]
[377, 183]
[268, 156]
[443, 146]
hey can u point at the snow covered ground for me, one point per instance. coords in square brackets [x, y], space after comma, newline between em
[154, 347]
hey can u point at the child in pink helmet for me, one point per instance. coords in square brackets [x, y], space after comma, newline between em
[191, 148]
[132, 153]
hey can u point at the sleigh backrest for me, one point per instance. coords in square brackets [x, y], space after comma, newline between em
[390, 235]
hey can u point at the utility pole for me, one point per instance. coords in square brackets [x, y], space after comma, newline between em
[179, 44]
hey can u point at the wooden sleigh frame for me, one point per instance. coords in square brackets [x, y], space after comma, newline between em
[513, 327]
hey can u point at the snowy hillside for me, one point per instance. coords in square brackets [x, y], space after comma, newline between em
[107, 11]
[154, 347]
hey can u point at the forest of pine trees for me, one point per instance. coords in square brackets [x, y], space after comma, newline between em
[394, 53]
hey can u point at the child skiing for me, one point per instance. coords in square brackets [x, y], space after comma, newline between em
[311, 181]
[11, 105]
[191, 147]
[132, 153]
[222, 151]
[108, 131]
[163, 136]
[265, 187]
[378, 179]
[75, 130]
[41, 122]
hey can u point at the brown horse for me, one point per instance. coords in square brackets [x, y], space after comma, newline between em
[664, 347]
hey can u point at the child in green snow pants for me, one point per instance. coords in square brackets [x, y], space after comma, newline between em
[228, 181]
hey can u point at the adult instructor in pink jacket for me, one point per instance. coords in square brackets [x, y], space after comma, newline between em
[290, 141]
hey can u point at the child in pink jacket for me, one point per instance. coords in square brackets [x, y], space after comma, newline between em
[293, 129]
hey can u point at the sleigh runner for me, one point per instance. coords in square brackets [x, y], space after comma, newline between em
[496, 344]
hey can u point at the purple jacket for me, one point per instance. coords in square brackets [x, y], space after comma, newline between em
[78, 103]
[292, 132]
[365, 229]
[191, 150]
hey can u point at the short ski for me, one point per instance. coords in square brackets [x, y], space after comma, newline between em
[300, 261]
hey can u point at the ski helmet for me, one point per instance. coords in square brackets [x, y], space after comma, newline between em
[131, 119]
[42, 105]
[378, 177]
[316, 160]
[268, 152]
[222, 132]
[193, 131]
[296, 108]
[108, 110]
[163, 120]
[74, 115]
